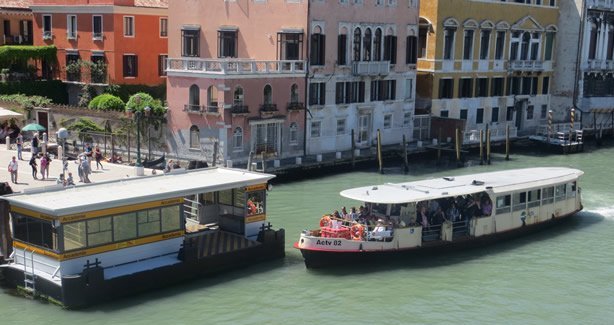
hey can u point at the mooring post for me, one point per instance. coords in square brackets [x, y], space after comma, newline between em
[405, 162]
[481, 147]
[249, 160]
[379, 151]
[353, 149]
[215, 149]
[457, 145]
[507, 142]
[487, 145]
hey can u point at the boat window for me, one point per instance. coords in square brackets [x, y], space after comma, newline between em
[379, 209]
[571, 192]
[504, 204]
[559, 192]
[225, 197]
[255, 203]
[33, 231]
[148, 222]
[239, 197]
[534, 198]
[171, 218]
[207, 198]
[520, 201]
[99, 231]
[548, 195]
[74, 235]
[124, 227]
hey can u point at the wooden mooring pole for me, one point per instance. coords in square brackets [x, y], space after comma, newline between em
[405, 161]
[481, 147]
[353, 149]
[379, 151]
[488, 146]
[507, 142]
[457, 146]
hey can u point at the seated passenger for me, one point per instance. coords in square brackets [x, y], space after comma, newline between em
[353, 214]
[487, 207]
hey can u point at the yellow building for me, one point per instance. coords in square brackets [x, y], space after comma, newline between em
[489, 62]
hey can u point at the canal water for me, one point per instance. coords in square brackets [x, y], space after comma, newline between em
[563, 275]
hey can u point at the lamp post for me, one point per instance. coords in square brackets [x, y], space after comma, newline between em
[137, 118]
[147, 110]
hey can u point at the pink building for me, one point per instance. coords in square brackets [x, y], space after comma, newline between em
[239, 73]
[236, 76]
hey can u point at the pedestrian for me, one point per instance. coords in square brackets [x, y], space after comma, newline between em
[98, 156]
[33, 165]
[70, 180]
[85, 167]
[19, 142]
[169, 166]
[80, 169]
[43, 166]
[34, 145]
[13, 166]
[48, 164]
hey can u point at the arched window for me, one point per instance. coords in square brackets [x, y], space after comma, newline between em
[194, 104]
[592, 45]
[318, 46]
[377, 45]
[293, 133]
[366, 44]
[238, 96]
[342, 47]
[294, 93]
[357, 36]
[268, 95]
[212, 99]
[194, 137]
[237, 138]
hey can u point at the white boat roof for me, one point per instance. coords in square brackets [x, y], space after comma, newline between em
[492, 182]
[59, 201]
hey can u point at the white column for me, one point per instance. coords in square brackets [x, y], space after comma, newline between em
[586, 43]
[604, 54]
[600, 38]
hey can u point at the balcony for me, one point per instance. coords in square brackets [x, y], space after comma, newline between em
[526, 65]
[239, 109]
[97, 36]
[600, 4]
[210, 109]
[234, 67]
[371, 68]
[268, 110]
[47, 35]
[296, 106]
[598, 65]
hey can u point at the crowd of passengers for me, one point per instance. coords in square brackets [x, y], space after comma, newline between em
[428, 213]
[435, 212]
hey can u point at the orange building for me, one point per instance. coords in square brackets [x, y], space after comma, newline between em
[104, 41]
[16, 25]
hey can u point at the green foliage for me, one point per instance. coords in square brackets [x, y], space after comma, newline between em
[54, 90]
[26, 102]
[87, 92]
[85, 125]
[125, 91]
[107, 102]
[139, 101]
[19, 55]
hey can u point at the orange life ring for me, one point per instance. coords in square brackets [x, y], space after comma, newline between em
[325, 221]
[357, 231]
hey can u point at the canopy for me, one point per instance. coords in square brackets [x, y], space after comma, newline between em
[33, 127]
[6, 114]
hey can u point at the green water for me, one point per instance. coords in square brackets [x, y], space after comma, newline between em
[564, 275]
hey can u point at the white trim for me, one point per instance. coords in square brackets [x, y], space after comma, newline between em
[73, 35]
[160, 27]
[101, 28]
[104, 9]
[133, 26]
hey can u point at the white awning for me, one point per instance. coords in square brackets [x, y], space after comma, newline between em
[6, 114]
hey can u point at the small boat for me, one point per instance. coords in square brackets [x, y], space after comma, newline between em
[437, 214]
[77, 246]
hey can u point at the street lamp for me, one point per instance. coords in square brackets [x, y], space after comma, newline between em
[147, 110]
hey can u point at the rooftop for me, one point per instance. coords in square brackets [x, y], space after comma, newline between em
[151, 3]
[15, 4]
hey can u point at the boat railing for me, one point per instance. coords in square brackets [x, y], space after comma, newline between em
[432, 232]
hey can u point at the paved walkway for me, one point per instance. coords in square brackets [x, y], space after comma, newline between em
[25, 180]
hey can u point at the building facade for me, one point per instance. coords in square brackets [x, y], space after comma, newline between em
[236, 78]
[104, 41]
[584, 77]
[16, 28]
[487, 62]
[362, 73]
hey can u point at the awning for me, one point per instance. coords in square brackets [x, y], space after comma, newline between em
[602, 110]
[6, 114]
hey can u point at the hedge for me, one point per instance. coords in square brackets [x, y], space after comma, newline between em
[52, 89]
[21, 54]
[107, 102]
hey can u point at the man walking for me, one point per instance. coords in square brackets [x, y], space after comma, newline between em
[19, 142]
[13, 169]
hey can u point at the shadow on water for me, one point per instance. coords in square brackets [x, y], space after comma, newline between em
[456, 255]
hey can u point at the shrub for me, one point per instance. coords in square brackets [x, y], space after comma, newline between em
[109, 102]
[145, 99]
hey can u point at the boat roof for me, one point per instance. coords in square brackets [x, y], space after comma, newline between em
[505, 181]
[59, 201]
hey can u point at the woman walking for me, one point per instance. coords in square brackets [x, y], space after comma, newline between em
[98, 156]
[43, 166]
[33, 165]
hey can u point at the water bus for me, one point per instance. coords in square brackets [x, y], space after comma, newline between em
[80, 245]
[435, 214]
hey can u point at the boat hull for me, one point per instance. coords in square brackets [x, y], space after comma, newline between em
[90, 287]
[321, 258]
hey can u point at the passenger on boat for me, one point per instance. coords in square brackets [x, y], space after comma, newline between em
[433, 206]
[472, 209]
[438, 217]
[344, 214]
[453, 214]
[487, 207]
[422, 217]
